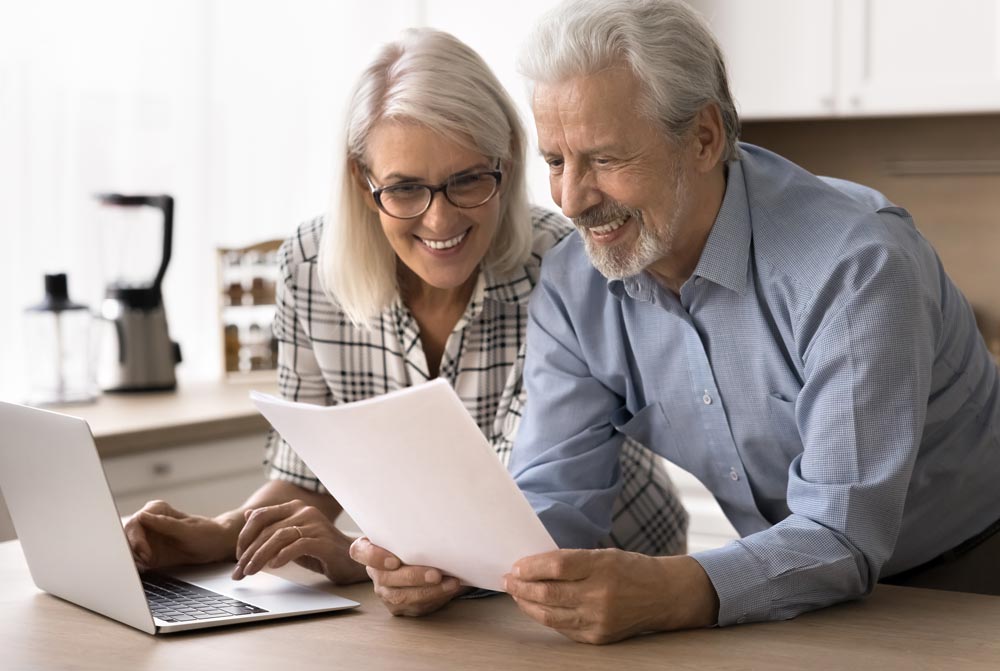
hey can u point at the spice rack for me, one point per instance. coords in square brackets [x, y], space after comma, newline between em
[248, 278]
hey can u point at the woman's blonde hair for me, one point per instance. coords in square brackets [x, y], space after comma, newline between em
[430, 78]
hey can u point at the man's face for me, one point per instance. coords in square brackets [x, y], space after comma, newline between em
[611, 170]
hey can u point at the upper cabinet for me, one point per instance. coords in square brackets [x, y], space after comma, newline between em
[794, 59]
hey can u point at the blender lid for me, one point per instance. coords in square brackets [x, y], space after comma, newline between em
[56, 296]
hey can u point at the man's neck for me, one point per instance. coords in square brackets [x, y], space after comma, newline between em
[674, 269]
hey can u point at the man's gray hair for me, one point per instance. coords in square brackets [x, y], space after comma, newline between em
[432, 79]
[665, 43]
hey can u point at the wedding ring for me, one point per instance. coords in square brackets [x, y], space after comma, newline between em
[301, 535]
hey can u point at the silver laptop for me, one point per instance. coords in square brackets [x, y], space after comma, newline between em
[75, 546]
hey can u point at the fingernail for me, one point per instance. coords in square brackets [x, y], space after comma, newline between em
[451, 584]
[391, 564]
[517, 571]
[506, 584]
[238, 574]
[432, 577]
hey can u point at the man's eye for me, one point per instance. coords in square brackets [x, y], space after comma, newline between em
[555, 163]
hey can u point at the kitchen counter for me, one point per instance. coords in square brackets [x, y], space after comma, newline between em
[195, 412]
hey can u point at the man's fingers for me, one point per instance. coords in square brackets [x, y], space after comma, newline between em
[417, 600]
[561, 593]
[407, 576]
[557, 565]
[558, 618]
[365, 552]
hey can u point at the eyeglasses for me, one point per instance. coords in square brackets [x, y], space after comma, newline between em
[410, 200]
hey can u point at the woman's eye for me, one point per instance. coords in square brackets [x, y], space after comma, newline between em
[403, 189]
[466, 181]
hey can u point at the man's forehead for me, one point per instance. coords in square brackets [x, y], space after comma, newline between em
[587, 112]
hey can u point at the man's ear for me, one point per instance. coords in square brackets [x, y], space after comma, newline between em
[708, 137]
[358, 177]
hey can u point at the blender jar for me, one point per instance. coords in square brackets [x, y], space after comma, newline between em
[60, 361]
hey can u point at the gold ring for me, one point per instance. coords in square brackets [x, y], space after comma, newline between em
[301, 535]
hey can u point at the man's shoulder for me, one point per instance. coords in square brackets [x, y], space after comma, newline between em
[804, 226]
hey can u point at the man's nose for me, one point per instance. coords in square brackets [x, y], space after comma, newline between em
[575, 193]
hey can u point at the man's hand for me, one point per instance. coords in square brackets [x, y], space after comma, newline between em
[159, 536]
[602, 596]
[294, 531]
[405, 590]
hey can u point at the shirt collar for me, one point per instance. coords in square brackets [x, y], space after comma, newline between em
[727, 251]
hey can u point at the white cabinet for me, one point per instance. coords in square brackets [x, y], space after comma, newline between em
[904, 57]
[794, 59]
[779, 54]
[202, 478]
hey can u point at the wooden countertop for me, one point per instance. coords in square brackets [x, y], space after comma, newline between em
[197, 412]
[896, 628]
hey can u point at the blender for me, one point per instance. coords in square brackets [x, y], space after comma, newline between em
[137, 353]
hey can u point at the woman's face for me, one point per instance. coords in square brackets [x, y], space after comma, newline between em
[444, 246]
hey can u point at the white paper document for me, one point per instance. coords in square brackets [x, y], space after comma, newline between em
[419, 478]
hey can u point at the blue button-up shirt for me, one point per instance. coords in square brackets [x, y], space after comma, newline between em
[819, 373]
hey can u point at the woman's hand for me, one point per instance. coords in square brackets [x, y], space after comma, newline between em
[161, 536]
[405, 590]
[294, 531]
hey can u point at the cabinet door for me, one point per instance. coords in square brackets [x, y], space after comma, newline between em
[202, 479]
[779, 53]
[903, 57]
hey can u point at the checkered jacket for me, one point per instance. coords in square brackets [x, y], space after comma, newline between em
[324, 359]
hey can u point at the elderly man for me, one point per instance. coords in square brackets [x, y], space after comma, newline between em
[790, 340]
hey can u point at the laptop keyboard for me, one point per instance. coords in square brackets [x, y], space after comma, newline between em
[173, 600]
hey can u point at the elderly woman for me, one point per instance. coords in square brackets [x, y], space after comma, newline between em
[423, 270]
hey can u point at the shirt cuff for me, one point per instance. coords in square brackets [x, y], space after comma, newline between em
[740, 582]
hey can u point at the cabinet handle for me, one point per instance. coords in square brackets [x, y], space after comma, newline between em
[162, 469]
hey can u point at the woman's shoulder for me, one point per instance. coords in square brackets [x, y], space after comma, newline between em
[548, 228]
[303, 245]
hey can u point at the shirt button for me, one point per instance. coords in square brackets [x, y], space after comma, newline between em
[733, 475]
[706, 398]
[741, 619]
[698, 281]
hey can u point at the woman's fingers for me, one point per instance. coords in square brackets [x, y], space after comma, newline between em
[258, 520]
[263, 550]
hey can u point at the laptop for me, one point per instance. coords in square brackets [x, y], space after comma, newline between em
[72, 537]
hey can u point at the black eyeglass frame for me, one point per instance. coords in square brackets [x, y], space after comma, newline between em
[376, 191]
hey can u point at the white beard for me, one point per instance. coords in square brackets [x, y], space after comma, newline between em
[625, 260]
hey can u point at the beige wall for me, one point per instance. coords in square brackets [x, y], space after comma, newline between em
[944, 170]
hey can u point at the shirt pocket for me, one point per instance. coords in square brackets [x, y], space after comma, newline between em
[648, 427]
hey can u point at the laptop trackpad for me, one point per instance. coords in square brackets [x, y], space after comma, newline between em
[263, 590]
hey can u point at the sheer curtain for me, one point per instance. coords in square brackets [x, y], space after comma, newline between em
[232, 107]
